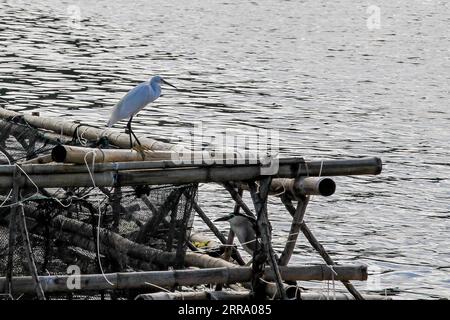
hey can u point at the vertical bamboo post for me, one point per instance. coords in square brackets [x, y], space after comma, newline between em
[297, 221]
[29, 253]
[320, 249]
[12, 231]
[264, 228]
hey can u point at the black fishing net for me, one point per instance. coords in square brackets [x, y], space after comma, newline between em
[62, 223]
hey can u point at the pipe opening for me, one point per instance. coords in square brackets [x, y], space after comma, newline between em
[59, 153]
[327, 187]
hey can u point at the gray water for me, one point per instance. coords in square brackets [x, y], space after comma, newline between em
[313, 70]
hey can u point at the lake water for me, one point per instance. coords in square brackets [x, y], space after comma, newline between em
[332, 84]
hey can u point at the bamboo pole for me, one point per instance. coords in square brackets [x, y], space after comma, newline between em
[42, 135]
[320, 249]
[297, 189]
[288, 167]
[339, 296]
[264, 227]
[120, 250]
[29, 253]
[199, 260]
[81, 155]
[107, 237]
[48, 176]
[242, 295]
[118, 244]
[190, 277]
[68, 128]
[203, 295]
[297, 221]
[12, 232]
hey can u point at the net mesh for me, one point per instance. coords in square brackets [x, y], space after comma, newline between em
[158, 217]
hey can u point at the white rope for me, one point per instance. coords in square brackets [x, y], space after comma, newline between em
[99, 215]
[283, 184]
[161, 288]
[2, 205]
[20, 201]
[297, 289]
[82, 140]
[333, 273]
[276, 291]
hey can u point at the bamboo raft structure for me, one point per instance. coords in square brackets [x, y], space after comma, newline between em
[77, 195]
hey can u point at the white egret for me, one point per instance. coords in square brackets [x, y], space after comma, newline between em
[135, 100]
[244, 229]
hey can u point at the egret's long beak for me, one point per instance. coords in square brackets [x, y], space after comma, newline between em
[224, 218]
[164, 81]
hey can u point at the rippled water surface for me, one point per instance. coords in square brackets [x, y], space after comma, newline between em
[310, 69]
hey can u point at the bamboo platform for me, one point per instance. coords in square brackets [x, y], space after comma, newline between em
[86, 199]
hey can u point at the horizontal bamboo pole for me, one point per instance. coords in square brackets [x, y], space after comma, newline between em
[321, 186]
[298, 188]
[142, 280]
[200, 295]
[79, 232]
[83, 155]
[245, 295]
[204, 261]
[183, 175]
[68, 128]
[339, 296]
[17, 129]
[55, 168]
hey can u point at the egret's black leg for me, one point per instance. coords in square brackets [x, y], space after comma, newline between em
[137, 140]
[130, 131]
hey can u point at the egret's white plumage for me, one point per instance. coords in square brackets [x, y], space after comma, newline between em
[135, 100]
